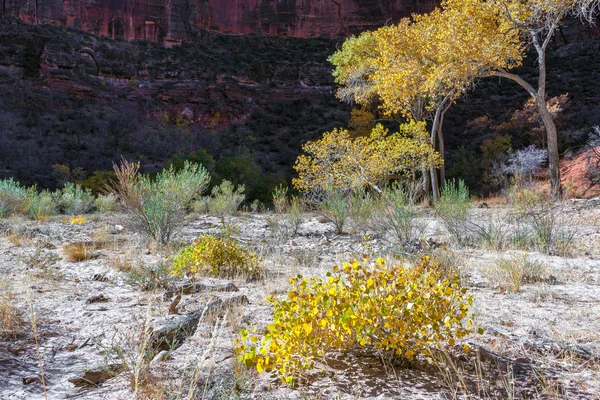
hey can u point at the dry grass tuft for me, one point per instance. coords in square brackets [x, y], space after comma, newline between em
[11, 322]
[510, 273]
[79, 251]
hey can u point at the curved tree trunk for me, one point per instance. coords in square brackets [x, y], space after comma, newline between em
[553, 158]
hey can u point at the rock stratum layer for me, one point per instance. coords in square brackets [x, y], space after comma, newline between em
[176, 20]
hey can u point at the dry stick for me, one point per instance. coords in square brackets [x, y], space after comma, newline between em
[37, 345]
[140, 359]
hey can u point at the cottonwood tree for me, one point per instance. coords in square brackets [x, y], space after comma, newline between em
[419, 67]
[537, 21]
[340, 162]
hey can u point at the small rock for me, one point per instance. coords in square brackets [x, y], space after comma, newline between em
[97, 299]
[99, 278]
[28, 380]
[163, 355]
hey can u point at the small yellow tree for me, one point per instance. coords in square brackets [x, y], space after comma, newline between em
[339, 162]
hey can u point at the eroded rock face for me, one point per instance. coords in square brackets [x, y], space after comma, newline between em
[176, 20]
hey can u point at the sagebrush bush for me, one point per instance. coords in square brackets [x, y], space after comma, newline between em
[404, 310]
[453, 210]
[40, 205]
[217, 256]
[226, 199]
[106, 202]
[158, 206]
[74, 200]
[336, 207]
[13, 197]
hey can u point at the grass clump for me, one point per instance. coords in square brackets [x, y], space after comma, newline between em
[398, 309]
[217, 256]
[78, 251]
[510, 273]
[11, 321]
[158, 206]
[453, 210]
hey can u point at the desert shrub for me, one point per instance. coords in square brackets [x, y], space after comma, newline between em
[280, 199]
[98, 181]
[285, 225]
[335, 207]
[13, 197]
[510, 273]
[398, 309]
[146, 276]
[217, 256]
[40, 205]
[493, 232]
[106, 202]
[453, 210]
[158, 206]
[526, 162]
[73, 199]
[201, 205]
[363, 208]
[398, 214]
[226, 199]
[540, 225]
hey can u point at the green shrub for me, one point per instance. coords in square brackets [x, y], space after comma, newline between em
[158, 206]
[13, 197]
[75, 200]
[280, 199]
[336, 207]
[398, 309]
[399, 215]
[106, 202]
[540, 225]
[453, 210]
[226, 199]
[285, 225]
[40, 205]
[363, 210]
[215, 256]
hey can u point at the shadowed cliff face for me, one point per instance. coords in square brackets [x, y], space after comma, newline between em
[176, 20]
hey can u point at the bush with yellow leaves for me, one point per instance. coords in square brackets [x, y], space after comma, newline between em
[405, 310]
[216, 256]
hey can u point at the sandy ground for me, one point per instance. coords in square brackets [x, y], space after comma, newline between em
[540, 329]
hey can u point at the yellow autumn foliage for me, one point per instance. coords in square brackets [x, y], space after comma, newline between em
[406, 310]
[413, 65]
[339, 161]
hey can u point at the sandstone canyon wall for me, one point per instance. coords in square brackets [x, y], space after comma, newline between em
[175, 20]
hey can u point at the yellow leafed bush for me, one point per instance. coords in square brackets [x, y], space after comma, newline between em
[211, 255]
[401, 309]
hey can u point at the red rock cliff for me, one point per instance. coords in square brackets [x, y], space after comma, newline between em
[174, 20]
